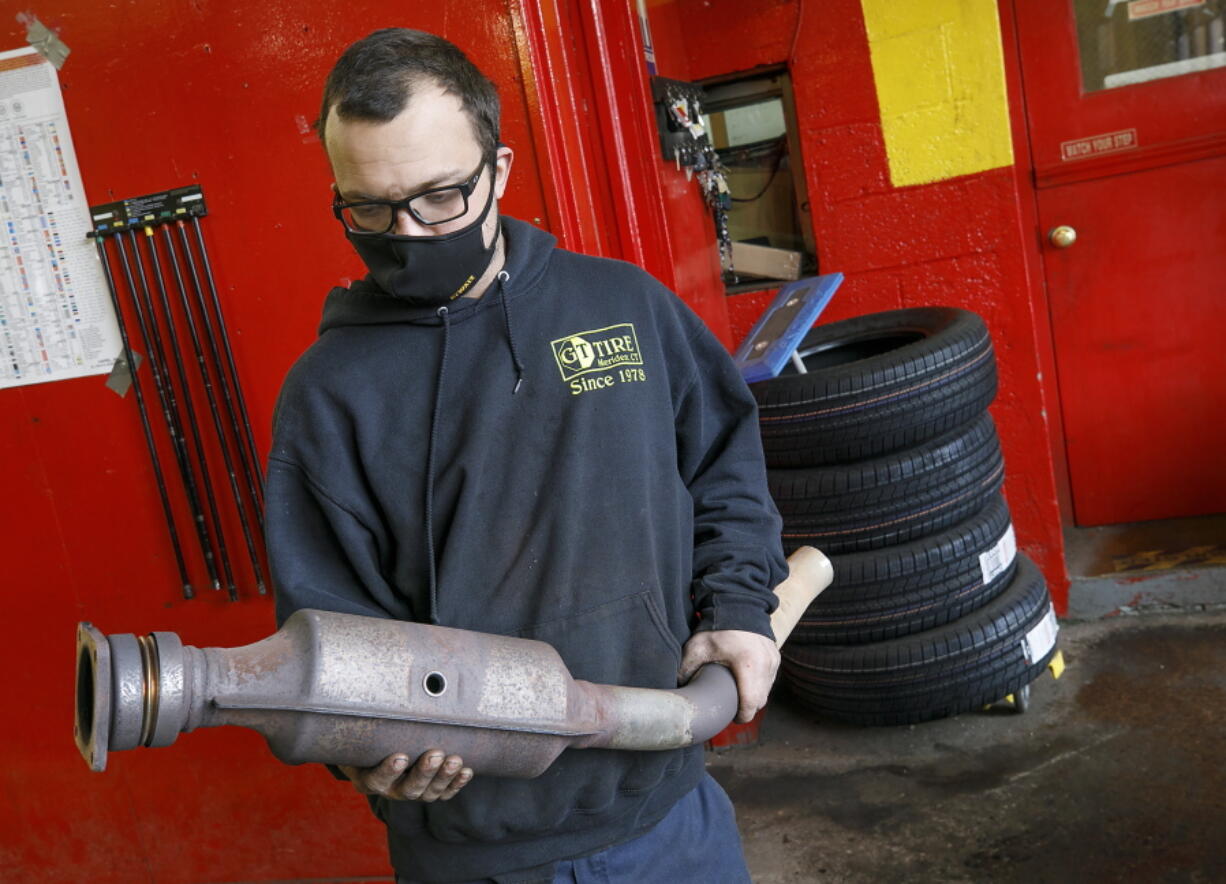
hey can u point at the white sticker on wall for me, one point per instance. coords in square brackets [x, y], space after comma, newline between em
[998, 558]
[1042, 637]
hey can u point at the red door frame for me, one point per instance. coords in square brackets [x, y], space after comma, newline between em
[587, 84]
[557, 87]
[591, 101]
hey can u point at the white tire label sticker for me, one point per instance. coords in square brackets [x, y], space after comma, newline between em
[1042, 637]
[998, 558]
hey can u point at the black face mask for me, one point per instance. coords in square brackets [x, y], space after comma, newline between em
[428, 270]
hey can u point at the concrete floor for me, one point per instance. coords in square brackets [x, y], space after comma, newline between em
[1116, 773]
[1164, 566]
[1145, 548]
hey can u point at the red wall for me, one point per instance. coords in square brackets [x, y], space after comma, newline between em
[161, 94]
[967, 242]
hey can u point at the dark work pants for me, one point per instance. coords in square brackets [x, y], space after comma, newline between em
[697, 841]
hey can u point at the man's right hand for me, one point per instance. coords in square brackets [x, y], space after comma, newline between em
[433, 778]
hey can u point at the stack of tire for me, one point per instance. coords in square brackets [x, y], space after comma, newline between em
[883, 456]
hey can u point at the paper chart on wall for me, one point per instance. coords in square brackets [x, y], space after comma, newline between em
[56, 319]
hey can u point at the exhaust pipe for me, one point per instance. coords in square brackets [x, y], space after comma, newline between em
[345, 689]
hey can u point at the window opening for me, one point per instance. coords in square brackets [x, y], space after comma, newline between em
[1126, 42]
[752, 124]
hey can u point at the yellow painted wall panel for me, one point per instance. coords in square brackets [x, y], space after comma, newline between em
[920, 59]
[940, 76]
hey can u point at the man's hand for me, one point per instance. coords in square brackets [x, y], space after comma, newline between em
[753, 659]
[432, 778]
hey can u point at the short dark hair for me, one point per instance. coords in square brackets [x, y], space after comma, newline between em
[374, 79]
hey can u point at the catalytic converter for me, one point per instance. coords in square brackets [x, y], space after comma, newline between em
[345, 689]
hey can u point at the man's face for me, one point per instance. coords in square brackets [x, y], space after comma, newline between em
[430, 144]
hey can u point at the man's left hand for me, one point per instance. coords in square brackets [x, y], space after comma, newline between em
[753, 659]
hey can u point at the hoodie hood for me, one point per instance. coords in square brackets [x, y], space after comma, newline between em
[528, 250]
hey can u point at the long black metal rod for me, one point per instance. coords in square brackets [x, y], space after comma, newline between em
[143, 303]
[214, 412]
[225, 340]
[159, 278]
[210, 335]
[167, 510]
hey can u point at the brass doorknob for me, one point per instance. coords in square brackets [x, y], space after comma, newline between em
[1062, 237]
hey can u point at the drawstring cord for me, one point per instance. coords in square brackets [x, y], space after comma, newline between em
[503, 277]
[434, 416]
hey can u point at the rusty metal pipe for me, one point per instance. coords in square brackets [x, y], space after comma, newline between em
[344, 689]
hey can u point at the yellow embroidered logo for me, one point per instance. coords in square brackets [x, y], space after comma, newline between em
[600, 349]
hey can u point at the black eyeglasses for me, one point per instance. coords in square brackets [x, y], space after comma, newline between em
[438, 205]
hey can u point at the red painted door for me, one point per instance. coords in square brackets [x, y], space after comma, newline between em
[1126, 101]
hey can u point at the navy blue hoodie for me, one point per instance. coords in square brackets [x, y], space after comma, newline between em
[590, 460]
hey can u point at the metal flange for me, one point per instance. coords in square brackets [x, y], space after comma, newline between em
[92, 724]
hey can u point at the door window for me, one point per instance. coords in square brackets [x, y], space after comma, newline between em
[1124, 42]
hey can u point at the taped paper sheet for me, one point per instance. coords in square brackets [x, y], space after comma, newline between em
[56, 320]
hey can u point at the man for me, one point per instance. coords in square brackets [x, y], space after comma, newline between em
[497, 435]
